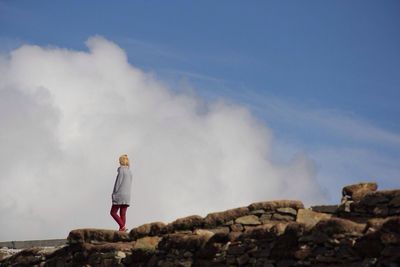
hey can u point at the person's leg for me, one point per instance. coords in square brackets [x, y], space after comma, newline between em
[114, 214]
[122, 214]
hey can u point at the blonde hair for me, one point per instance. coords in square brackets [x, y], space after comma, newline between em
[123, 160]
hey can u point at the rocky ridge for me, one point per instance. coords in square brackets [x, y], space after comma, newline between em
[364, 230]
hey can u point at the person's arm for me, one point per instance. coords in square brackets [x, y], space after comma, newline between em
[118, 181]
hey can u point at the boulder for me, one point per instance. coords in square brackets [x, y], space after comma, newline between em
[334, 226]
[248, 220]
[257, 212]
[310, 218]
[274, 228]
[358, 191]
[148, 243]
[221, 229]
[204, 232]
[237, 227]
[186, 223]
[154, 228]
[219, 218]
[264, 231]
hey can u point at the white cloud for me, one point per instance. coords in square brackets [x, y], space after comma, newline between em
[344, 147]
[67, 115]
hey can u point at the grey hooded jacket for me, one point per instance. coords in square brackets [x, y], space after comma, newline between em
[121, 194]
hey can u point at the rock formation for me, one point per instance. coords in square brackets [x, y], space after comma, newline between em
[364, 230]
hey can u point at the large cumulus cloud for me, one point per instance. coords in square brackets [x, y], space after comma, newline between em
[67, 115]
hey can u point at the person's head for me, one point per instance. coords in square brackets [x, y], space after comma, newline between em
[123, 160]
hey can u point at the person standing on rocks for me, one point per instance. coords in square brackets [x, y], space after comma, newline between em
[121, 195]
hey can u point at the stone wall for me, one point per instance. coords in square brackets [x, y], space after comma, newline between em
[364, 230]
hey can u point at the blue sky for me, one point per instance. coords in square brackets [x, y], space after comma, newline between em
[323, 75]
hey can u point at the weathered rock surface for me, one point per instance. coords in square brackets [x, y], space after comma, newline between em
[363, 231]
[310, 218]
[96, 235]
[357, 191]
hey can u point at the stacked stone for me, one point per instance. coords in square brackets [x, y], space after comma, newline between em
[381, 242]
[270, 234]
[187, 241]
[329, 242]
[364, 200]
[221, 238]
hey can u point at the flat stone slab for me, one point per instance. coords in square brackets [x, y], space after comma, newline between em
[92, 235]
[273, 205]
[147, 243]
[310, 218]
[325, 208]
[379, 197]
[287, 211]
[248, 220]
[339, 226]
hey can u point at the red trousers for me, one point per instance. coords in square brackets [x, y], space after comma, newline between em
[121, 219]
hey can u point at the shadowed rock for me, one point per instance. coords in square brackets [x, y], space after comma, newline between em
[332, 209]
[339, 226]
[391, 225]
[379, 197]
[108, 246]
[183, 241]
